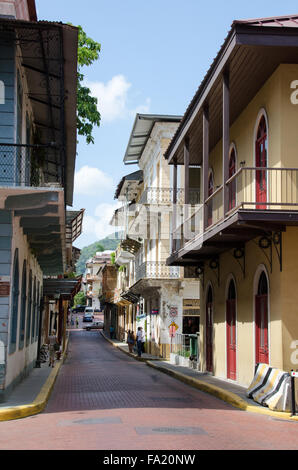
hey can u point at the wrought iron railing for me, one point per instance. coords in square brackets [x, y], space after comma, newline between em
[156, 270]
[24, 165]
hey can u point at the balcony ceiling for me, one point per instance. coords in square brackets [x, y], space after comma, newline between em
[249, 50]
[49, 60]
[42, 218]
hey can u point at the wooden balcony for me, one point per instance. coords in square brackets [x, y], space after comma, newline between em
[261, 202]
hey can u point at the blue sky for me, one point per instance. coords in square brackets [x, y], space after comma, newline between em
[154, 56]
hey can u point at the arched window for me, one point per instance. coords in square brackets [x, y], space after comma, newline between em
[232, 184]
[14, 304]
[261, 146]
[261, 320]
[231, 330]
[23, 306]
[29, 309]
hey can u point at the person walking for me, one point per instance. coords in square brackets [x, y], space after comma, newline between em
[52, 341]
[140, 340]
[77, 322]
[130, 340]
[112, 331]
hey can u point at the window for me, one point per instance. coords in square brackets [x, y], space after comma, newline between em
[261, 162]
[14, 304]
[23, 306]
[29, 309]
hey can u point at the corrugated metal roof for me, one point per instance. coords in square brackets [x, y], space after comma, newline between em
[282, 21]
[279, 21]
[140, 134]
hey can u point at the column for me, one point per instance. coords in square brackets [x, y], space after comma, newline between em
[205, 169]
[225, 139]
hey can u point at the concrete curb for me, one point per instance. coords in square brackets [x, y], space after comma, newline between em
[224, 395]
[38, 405]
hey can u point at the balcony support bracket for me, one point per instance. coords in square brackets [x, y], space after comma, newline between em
[214, 265]
[239, 255]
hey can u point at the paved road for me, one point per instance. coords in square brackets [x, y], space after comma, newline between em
[104, 399]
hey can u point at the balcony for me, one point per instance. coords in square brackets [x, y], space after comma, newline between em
[259, 200]
[156, 270]
[29, 166]
[166, 195]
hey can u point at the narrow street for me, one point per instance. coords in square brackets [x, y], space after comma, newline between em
[104, 399]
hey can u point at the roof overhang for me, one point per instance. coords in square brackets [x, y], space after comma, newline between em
[127, 189]
[74, 222]
[248, 46]
[41, 216]
[140, 134]
[49, 59]
[66, 288]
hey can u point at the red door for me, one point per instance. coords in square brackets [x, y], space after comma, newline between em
[231, 332]
[261, 162]
[210, 203]
[232, 185]
[261, 305]
[209, 331]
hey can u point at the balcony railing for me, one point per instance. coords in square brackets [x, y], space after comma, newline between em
[249, 188]
[156, 270]
[165, 196]
[24, 165]
[264, 188]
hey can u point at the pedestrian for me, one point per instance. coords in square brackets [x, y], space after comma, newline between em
[77, 322]
[72, 320]
[112, 330]
[52, 341]
[130, 340]
[140, 340]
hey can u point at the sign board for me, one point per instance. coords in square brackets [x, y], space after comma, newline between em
[172, 332]
[294, 373]
[174, 325]
[154, 311]
[173, 312]
[4, 289]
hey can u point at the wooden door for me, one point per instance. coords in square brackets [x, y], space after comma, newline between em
[231, 331]
[261, 321]
[261, 162]
[209, 331]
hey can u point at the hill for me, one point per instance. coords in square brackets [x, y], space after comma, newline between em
[107, 243]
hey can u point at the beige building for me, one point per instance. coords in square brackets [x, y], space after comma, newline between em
[158, 294]
[241, 128]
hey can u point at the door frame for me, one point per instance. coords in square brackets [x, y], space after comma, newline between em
[229, 279]
[261, 268]
[209, 286]
[262, 112]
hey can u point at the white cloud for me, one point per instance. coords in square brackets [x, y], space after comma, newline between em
[98, 226]
[113, 98]
[91, 181]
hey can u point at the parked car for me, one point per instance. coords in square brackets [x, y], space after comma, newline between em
[88, 317]
[97, 325]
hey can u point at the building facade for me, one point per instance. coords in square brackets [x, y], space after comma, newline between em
[242, 238]
[157, 295]
[37, 155]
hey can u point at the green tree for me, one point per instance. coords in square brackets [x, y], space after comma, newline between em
[79, 299]
[88, 115]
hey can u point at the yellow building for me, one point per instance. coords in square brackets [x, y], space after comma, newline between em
[241, 128]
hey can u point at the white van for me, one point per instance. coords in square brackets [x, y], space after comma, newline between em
[88, 314]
